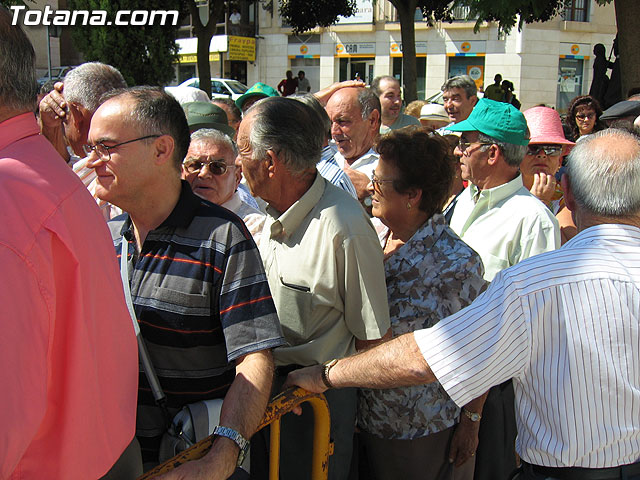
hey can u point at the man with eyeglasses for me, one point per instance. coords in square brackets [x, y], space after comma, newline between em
[502, 221]
[210, 169]
[197, 282]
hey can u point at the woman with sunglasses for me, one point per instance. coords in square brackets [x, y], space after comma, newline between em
[583, 116]
[410, 433]
[547, 148]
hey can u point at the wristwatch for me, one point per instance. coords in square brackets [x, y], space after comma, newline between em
[231, 434]
[325, 372]
[473, 416]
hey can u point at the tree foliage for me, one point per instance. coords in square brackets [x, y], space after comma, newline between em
[304, 15]
[508, 13]
[143, 54]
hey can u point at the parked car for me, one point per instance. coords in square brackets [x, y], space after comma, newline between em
[220, 87]
[57, 74]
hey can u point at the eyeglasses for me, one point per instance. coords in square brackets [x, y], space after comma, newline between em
[463, 145]
[585, 116]
[376, 183]
[550, 150]
[104, 151]
[195, 165]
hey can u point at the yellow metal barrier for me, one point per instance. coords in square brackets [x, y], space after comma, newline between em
[281, 404]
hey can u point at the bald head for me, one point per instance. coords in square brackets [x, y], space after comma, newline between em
[355, 121]
[603, 170]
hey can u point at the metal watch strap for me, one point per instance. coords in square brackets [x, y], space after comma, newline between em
[232, 434]
[325, 372]
[473, 416]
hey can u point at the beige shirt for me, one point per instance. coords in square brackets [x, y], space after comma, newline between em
[506, 225]
[325, 270]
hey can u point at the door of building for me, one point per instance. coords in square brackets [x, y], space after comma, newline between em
[361, 68]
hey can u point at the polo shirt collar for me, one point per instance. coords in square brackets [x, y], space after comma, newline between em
[492, 196]
[18, 127]
[181, 215]
[287, 223]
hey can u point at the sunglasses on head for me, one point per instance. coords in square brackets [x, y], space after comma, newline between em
[195, 165]
[550, 150]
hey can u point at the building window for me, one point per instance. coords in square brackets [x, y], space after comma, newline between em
[576, 10]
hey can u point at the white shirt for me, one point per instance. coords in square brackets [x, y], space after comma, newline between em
[565, 326]
[506, 225]
[365, 164]
[252, 217]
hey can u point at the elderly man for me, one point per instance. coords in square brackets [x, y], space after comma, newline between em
[572, 357]
[66, 115]
[388, 91]
[502, 221]
[67, 349]
[197, 283]
[355, 123]
[460, 96]
[210, 169]
[324, 265]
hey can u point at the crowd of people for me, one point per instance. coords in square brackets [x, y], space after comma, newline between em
[463, 287]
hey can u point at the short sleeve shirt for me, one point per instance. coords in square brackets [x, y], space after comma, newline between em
[326, 273]
[450, 278]
[202, 300]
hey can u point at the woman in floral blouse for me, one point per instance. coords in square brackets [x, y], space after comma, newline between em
[418, 432]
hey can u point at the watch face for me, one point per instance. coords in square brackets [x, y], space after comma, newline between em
[475, 417]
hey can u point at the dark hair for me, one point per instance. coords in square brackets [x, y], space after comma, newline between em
[290, 128]
[18, 86]
[375, 85]
[237, 113]
[583, 101]
[422, 161]
[156, 113]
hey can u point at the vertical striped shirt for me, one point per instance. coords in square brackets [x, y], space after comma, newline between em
[565, 326]
[329, 169]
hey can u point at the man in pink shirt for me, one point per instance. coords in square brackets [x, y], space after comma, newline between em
[68, 352]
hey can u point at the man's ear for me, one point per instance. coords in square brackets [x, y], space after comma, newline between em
[272, 162]
[494, 154]
[164, 146]
[374, 118]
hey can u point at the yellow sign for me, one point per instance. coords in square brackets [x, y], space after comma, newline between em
[465, 47]
[304, 49]
[242, 48]
[575, 49]
[193, 58]
[339, 48]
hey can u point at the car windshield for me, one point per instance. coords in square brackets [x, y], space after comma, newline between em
[236, 86]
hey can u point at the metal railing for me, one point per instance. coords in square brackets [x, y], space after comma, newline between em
[281, 404]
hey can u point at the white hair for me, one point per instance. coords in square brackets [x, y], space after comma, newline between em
[87, 83]
[603, 170]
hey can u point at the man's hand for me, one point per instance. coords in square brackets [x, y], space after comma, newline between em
[53, 108]
[544, 186]
[360, 182]
[217, 464]
[464, 442]
[324, 95]
[309, 378]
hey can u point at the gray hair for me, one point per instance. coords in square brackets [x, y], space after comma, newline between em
[513, 154]
[465, 82]
[375, 85]
[368, 101]
[289, 128]
[311, 101]
[214, 136]
[18, 86]
[90, 81]
[604, 174]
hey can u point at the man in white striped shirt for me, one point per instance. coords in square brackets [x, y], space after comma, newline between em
[564, 325]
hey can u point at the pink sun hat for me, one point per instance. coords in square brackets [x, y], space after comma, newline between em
[545, 126]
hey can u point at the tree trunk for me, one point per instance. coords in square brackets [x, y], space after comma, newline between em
[406, 12]
[204, 33]
[627, 14]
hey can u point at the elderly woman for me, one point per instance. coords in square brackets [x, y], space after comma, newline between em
[430, 273]
[543, 159]
[583, 116]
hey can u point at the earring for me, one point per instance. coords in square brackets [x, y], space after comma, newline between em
[408, 205]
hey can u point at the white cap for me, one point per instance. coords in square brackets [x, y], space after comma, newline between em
[433, 111]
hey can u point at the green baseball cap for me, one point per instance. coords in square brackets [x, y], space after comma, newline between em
[206, 115]
[260, 90]
[498, 120]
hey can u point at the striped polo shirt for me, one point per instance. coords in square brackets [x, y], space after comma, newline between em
[202, 300]
[565, 326]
